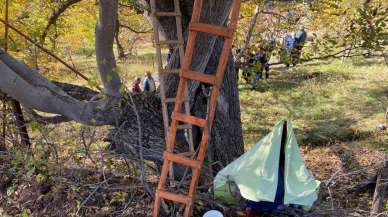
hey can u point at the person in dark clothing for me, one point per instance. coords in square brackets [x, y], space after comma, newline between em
[251, 68]
[261, 62]
[237, 63]
[257, 63]
[169, 54]
[266, 49]
[300, 40]
[135, 87]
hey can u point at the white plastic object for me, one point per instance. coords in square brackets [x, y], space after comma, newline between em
[213, 213]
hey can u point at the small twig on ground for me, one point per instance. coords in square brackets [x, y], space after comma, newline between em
[90, 195]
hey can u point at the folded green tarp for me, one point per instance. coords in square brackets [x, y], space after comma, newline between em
[254, 175]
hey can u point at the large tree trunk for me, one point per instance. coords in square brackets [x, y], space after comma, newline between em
[226, 142]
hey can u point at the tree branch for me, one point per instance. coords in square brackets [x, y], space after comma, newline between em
[333, 55]
[134, 30]
[54, 17]
[250, 32]
[34, 91]
[46, 120]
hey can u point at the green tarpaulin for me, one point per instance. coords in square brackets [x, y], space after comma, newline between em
[255, 174]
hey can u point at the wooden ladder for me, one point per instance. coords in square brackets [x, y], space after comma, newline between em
[162, 72]
[177, 116]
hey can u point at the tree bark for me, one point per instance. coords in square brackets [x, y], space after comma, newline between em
[105, 34]
[120, 48]
[381, 184]
[20, 123]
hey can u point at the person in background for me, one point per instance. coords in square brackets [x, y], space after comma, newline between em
[262, 63]
[300, 40]
[237, 63]
[265, 52]
[169, 54]
[135, 87]
[288, 45]
[149, 83]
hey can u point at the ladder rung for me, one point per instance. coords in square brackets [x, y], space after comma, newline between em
[174, 197]
[211, 29]
[170, 71]
[195, 164]
[167, 14]
[189, 119]
[172, 100]
[184, 126]
[201, 77]
[169, 42]
[187, 154]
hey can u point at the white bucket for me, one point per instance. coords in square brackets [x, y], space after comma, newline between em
[213, 213]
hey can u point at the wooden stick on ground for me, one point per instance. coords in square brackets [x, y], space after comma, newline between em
[381, 184]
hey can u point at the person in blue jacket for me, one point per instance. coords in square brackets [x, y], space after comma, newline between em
[169, 54]
[288, 45]
[149, 83]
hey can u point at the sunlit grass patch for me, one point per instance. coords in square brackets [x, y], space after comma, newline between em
[327, 101]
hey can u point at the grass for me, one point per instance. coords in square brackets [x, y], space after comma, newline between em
[328, 101]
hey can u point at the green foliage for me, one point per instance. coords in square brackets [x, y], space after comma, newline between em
[25, 213]
[369, 27]
[332, 25]
[30, 164]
